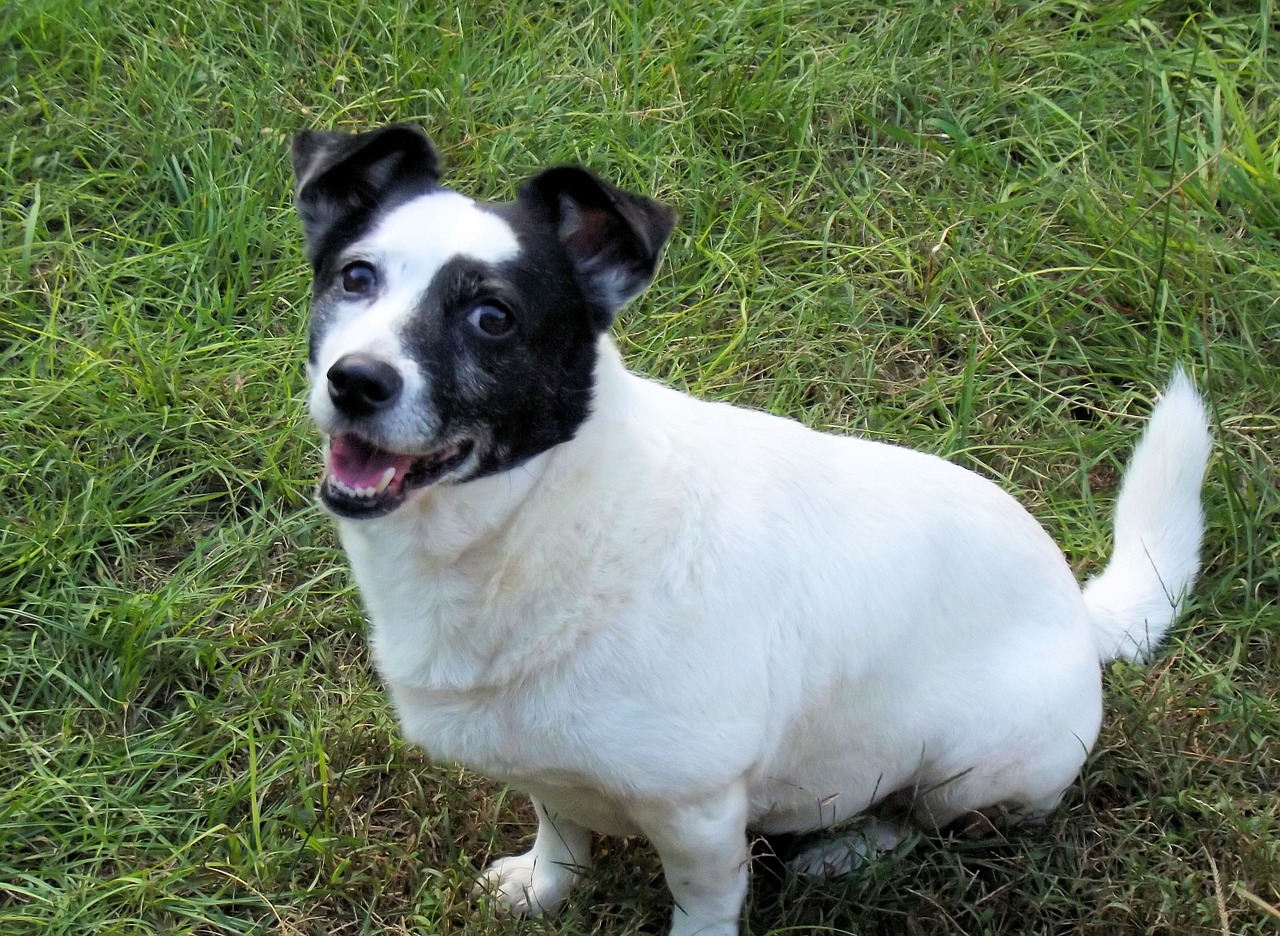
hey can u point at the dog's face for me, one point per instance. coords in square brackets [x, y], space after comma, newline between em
[452, 339]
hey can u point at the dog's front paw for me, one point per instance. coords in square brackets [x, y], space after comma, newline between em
[526, 884]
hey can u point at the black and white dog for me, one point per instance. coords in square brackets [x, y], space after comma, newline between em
[664, 616]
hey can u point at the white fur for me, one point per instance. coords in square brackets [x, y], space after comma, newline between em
[1159, 523]
[693, 619]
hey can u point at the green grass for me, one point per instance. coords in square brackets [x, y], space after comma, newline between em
[987, 229]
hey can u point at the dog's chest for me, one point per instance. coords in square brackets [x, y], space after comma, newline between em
[489, 664]
[557, 756]
[504, 735]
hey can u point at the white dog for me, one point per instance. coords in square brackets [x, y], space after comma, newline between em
[664, 616]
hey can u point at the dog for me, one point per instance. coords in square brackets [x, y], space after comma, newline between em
[663, 616]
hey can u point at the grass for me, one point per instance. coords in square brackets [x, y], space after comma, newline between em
[987, 229]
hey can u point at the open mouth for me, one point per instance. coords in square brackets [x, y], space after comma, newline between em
[363, 481]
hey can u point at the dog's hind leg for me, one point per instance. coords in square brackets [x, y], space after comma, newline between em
[832, 857]
[991, 798]
[539, 881]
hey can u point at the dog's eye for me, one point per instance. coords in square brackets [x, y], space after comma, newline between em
[359, 278]
[491, 320]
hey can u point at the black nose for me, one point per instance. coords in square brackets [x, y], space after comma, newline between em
[360, 384]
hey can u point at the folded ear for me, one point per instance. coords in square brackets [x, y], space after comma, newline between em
[612, 237]
[339, 175]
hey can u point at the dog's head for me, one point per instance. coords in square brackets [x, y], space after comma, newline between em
[452, 339]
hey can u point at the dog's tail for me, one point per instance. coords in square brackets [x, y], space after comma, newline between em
[1159, 524]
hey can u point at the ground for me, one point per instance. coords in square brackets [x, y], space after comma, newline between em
[987, 229]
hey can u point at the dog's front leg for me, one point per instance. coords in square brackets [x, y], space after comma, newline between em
[539, 881]
[703, 847]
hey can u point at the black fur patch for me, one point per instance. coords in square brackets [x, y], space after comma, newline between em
[526, 391]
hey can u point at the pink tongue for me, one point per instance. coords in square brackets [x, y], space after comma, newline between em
[358, 464]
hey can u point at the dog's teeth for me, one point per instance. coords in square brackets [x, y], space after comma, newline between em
[365, 492]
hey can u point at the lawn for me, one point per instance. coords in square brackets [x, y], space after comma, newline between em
[984, 228]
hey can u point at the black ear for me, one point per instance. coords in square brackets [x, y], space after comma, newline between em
[612, 237]
[340, 175]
